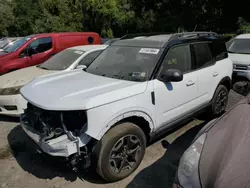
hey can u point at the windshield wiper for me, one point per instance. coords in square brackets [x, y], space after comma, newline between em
[43, 68]
[118, 76]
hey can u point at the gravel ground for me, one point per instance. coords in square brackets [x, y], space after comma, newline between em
[22, 167]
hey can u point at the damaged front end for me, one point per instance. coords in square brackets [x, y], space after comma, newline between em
[59, 133]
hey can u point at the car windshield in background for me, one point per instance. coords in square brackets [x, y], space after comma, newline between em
[127, 63]
[239, 46]
[16, 45]
[62, 60]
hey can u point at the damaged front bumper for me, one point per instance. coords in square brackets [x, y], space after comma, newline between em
[62, 146]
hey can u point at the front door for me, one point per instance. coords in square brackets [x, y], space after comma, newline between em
[175, 99]
[42, 48]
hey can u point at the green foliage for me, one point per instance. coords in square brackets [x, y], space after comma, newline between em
[118, 17]
[244, 26]
[6, 18]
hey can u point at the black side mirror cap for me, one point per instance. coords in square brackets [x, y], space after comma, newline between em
[171, 75]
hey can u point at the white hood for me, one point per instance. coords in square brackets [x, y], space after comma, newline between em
[21, 77]
[240, 59]
[78, 90]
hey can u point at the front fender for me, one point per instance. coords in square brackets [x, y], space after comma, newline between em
[98, 126]
[9, 66]
[122, 115]
[102, 118]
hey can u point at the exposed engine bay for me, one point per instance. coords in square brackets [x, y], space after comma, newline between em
[59, 133]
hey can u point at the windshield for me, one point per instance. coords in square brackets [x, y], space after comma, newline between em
[16, 45]
[127, 63]
[239, 46]
[62, 60]
[11, 42]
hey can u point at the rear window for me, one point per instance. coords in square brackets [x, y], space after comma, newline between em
[62, 60]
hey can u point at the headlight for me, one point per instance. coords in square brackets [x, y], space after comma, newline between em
[10, 90]
[188, 173]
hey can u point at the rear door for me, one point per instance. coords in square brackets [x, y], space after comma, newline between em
[175, 99]
[205, 69]
[43, 48]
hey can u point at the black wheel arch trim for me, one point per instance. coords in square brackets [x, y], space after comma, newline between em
[227, 78]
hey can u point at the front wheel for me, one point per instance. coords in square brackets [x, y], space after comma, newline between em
[120, 152]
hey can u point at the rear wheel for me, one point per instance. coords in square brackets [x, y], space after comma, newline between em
[120, 152]
[219, 101]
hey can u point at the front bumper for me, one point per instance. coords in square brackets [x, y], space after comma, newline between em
[60, 146]
[242, 73]
[12, 105]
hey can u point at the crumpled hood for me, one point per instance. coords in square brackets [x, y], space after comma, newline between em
[21, 77]
[240, 59]
[78, 90]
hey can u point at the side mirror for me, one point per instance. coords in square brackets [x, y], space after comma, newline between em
[171, 75]
[30, 51]
[83, 67]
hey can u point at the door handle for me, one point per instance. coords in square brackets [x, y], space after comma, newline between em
[190, 83]
[215, 74]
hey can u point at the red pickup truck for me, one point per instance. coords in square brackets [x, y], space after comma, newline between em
[35, 49]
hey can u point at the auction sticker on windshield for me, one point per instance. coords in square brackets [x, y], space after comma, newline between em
[149, 51]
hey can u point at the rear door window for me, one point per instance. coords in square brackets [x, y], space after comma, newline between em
[203, 55]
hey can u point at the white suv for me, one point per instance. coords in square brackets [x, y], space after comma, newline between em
[138, 88]
[239, 53]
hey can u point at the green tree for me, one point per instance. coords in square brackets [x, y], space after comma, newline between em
[244, 26]
[59, 16]
[6, 18]
[104, 15]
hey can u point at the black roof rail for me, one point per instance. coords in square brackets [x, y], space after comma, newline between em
[134, 35]
[193, 34]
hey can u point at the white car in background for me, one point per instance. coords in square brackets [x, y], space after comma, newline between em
[239, 52]
[12, 103]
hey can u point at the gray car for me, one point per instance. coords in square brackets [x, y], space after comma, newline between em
[219, 155]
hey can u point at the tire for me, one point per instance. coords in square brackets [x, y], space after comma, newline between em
[110, 152]
[219, 101]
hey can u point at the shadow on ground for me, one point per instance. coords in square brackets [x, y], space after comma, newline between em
[43, 166]
[162, 172]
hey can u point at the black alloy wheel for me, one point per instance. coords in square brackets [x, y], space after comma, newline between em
[125, 154]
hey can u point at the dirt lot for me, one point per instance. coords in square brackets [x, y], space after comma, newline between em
[22, 167]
